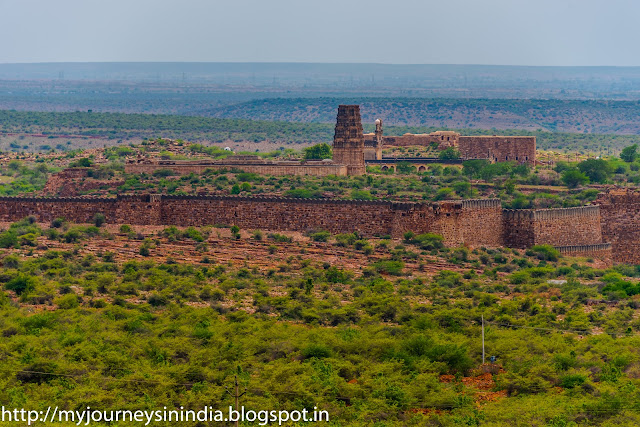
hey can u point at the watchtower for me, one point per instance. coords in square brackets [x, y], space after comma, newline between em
[348, 140]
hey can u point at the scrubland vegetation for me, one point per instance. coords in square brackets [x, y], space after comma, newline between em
[376, 331]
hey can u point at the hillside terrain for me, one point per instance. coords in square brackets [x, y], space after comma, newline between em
[58, 131]
[371, 330]
[572, 116]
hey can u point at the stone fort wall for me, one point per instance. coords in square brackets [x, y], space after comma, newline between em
[602, 251]
[569, 226]
[472, 223]
[620, 220]
[469, 222]
[557, 227]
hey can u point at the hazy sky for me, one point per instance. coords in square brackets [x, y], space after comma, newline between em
[516, 32]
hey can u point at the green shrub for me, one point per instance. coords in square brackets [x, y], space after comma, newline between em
[335, 275]
[72, 235]
[449, 153]
[361, 195]
[21, 284]
[157, 300]
[318, 152]
[519, 278]
[193, 234]
[429, 241]
[99, 219]
[57, 223]
[8, 239]
[320, 236]
[545, 252]
[443, 193]
[572, 380]
[280, 238]
[394, 268]
[317, 351]
[67, 302]
[345, 239]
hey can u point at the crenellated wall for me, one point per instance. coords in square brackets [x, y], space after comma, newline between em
[264, 168]
[463, 222]
[459, 222]
[620, 219]
[369, 218]
[568, 226]
[602, 251]
[495, 148]
[481, 222]
[557, 227]
[518, 228]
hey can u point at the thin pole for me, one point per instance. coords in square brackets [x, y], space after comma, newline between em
[237, 395]
[237, 402]
[483, 339]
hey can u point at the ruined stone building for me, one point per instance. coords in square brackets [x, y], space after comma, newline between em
[495, 148]
[348, 156]
[352, 150]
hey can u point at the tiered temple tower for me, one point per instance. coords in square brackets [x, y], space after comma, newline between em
[348, 141]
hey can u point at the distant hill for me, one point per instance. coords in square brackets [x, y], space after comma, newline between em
[575, 116]
[450, 81]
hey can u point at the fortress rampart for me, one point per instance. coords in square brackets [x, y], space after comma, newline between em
[620, 221]
[473, 223]
[568, 227]
[557, 227]
[600, 251]
[369, 218]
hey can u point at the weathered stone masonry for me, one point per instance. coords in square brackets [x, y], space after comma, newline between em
[620, 219]
[451, 219]
[557, 227]
[575, 231]
[520, 149]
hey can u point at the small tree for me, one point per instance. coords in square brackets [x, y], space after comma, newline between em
[318, 151]
[82, 163]
[598, 170]
[473, 168]
[449, 153]
[574, 178]
[99, 219]
[462, 188]
[629, 154]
